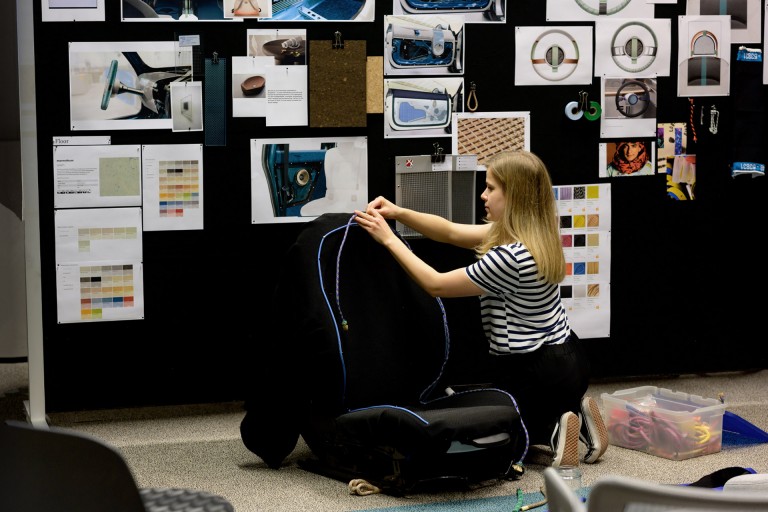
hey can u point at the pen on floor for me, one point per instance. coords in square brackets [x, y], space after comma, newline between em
[534, 505]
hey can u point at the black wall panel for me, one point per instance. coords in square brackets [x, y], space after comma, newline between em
[687, 277]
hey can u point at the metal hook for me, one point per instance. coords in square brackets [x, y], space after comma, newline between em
[438, 155]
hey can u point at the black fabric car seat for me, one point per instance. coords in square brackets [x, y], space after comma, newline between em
[368, 348]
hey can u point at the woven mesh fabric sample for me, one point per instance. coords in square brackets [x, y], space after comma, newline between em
[487, 136]
[214, 102]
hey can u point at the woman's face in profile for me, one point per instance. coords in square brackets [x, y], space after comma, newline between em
[632, 150]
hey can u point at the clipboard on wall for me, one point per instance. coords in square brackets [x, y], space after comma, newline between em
[337, 83]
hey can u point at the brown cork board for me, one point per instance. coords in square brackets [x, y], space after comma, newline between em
[375, 86]
[337, 84]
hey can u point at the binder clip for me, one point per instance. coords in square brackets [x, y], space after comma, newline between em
[438, 156]
[590, 110]
[215, 59]
[338, 41]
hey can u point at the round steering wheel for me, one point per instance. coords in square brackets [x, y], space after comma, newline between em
[626, 102]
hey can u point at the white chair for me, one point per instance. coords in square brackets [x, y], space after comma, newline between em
[620, 493]
[614, 493]
[560, 497]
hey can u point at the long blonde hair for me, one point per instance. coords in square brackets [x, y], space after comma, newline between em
[530, 213]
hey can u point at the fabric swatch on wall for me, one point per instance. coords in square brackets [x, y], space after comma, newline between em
[337, 84]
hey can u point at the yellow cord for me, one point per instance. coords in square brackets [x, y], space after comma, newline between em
[362, 487]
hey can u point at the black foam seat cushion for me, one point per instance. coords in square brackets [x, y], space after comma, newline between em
[357, 368]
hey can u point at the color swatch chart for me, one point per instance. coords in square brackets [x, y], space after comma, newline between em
[585, 223]
[85, 236]
[179, 186]
[98, 235]
[105, 287]
[99, 291]
[172, 175]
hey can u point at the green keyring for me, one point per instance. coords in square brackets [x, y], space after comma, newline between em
[593, 112]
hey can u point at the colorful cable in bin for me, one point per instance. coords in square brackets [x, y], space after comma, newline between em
[651, 433]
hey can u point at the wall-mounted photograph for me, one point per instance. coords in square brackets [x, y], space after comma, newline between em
[704, 56]
[473, 11]
[72, 10]
[590, 10]
[633, 48]
[629, 107]
[627, 158]
[421, 107]
[187, 106]
[553, 55]
[172, 10]
[423, 45]
[125, 85]
[323, 10]
[299, 179]
[288, 47]
[745, 16]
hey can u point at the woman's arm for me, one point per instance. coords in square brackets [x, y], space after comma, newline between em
[455, 283]
[431, 226]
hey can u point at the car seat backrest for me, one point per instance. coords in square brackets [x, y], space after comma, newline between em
[395, 343]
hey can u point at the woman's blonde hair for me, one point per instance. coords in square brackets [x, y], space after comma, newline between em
[530, 213]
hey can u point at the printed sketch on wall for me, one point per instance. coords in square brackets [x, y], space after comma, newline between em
[271, 81]
[72, 10]
[473, 11]
[424, 45]
[485, 134]
[187, 106]
[629, 107]
[246, 9]
[322, 10]
[704, 54]
[745, 16]
[299, 179]
[421, 107]
[125, 85]
[633, 157]
[590, 10]
[172, 10]
[633, 48]
[553, 55]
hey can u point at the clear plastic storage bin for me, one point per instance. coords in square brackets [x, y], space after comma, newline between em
[665, 423]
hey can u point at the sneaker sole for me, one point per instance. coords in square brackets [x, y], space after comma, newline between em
[568, 439]
[596, 428]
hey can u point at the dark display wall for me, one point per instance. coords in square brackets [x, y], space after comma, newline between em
[687, 277]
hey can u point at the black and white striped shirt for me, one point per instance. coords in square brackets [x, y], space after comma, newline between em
[519, 312]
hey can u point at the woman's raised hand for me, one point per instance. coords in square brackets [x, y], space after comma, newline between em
[386, 208]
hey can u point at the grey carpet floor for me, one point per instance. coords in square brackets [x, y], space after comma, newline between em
[199, 447]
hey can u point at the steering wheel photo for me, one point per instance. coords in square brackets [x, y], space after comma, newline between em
[633, 98]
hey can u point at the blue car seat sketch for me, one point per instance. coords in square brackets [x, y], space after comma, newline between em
[418, 110]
